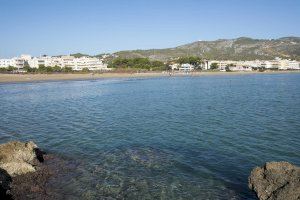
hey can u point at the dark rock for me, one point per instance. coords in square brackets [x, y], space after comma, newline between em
[39, 154]
[21, 171]
[16, 158]
[32, 185]
[27, 172]
[5, 181]
[43, 183]
[276, 181]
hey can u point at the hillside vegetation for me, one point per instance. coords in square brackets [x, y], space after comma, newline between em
[225, 49]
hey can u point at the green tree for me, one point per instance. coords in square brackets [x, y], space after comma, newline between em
[136, 63]
[27, 68]
[214, 66]
[231, 65]
[11, 68]
[3, 69]
[85, 69]
[49, 69]
[56, 68]
[261, 69]
[26, 64]
[227, 69]
[67, 69]
[193, 60]
[42, 69]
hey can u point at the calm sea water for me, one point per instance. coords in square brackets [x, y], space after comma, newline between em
[158, 138]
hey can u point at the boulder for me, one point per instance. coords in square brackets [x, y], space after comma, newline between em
[18, 158]
[276, 181]
[5, 181]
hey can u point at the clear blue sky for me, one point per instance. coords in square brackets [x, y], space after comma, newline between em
[95, 26]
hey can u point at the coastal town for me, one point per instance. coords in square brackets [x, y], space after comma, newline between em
[77, 64]
[150, 100]
[22, 63]
[231, 65]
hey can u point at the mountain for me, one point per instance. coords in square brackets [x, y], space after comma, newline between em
[242, 48]
[79, 55]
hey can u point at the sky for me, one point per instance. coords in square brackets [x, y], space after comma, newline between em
[56, 27]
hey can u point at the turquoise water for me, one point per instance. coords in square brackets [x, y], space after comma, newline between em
[158, 138]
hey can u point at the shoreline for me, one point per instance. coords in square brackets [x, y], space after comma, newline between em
[47, 170]
[22, 78]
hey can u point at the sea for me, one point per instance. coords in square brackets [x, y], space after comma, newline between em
[158, 138]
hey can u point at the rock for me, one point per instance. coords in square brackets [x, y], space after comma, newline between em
[18, 158]
[48, 181]
[27, 173]
[276, 181]
[32, 185]
[5, 181]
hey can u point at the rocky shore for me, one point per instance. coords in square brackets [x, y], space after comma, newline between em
[276, 181]
[25, 171]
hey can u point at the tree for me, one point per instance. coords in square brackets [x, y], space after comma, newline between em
[56, 68]
[42, 69]
[26, 64]
[231, 65]
[7, 69]
[261, 69]
[137, 63]
[85, 69]
[227, 69]
[3, 69]
[49, 69]
[193, 60]
[28, 69]
[214, 66]
[11, 68]
[67, 69]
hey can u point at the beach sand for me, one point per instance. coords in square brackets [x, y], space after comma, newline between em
[14, 78]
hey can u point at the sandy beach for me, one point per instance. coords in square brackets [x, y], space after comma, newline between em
[15, 78]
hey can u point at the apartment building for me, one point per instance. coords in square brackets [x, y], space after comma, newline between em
[186, 67]
[5, 62]
[63, 61]
[280, 64]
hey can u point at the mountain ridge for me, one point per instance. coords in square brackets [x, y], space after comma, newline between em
[242, 48]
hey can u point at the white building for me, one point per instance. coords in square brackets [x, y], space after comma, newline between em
[67, 61]
[5, 63]
[14, 62]
[91, 63]
[63, 61]
[88, 62]
[288, 64]
[252, 63]
[270, 64]
[240, 68]
[175, 66]
[255, 64]
[294, 65]
[18, 63]
[206, 65]
[186, 67]
[36, 62]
